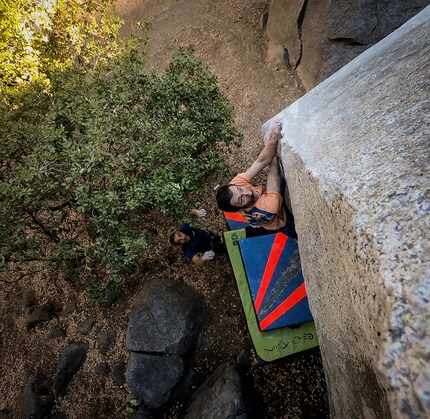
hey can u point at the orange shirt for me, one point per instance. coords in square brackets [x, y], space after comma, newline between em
[267, 211]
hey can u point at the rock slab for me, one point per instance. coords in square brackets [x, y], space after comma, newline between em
[320, 37]
[167, 317]
[222, 396]
[164, 325]
[356, 155]
[151, 377]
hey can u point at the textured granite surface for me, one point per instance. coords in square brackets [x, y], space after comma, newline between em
[356, 154]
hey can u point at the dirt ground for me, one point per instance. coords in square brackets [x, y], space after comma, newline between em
[228, 37]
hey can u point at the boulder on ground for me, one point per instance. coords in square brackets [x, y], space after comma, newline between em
[152, 377]
[223, 396]
[167, 317]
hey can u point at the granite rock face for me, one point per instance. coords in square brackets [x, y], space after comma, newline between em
[283, 27]
[318, 37]
[356, 155]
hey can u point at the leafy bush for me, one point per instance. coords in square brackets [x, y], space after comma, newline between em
[36, 37]
[95, 144]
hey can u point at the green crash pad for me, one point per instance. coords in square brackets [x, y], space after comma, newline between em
[271, 344]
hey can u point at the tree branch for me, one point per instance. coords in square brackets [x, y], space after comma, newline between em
[51, 235]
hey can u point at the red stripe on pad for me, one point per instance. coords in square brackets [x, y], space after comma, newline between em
[277, 248]
[290, 302]
[235, 216]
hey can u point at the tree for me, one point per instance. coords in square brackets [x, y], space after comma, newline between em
[93, 143]
[36, 37]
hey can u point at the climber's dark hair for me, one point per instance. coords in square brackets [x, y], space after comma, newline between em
[223, 198]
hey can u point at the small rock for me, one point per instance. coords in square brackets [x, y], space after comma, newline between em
[118, 374]
[36, 399]
[71, 359]
[106, 340]
[110, 297]
[40, 314]
[103, 369]
[263, 21]
[58, 332]
[27, 298]
[86, 327]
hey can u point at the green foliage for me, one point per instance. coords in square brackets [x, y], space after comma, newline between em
[133, 405]
[36, 37]
[96, 144]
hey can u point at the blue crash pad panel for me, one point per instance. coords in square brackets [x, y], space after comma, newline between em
[274, 274]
